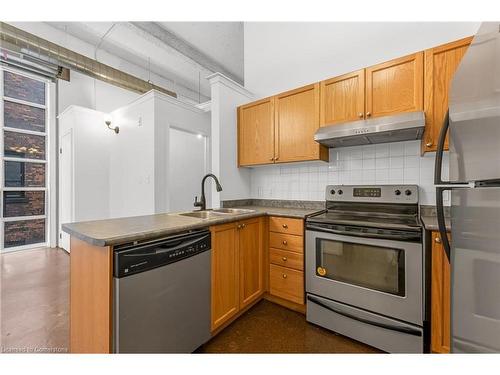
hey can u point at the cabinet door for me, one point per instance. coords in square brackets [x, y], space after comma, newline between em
[395, 86]
[256, 133]
[225, 274]
[440, 297]
[251, 261]
[296, 121]
[343, 98]
[440, 66]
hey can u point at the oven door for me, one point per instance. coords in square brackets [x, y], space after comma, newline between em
[378, 275]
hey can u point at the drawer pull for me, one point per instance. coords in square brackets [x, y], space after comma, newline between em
[285, 242]
[285, 226]
[284, 259]
[284, 276]
[437, 240]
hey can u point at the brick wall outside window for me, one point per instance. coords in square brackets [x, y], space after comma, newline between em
[24, 232]
[22, 116]
[24, 145]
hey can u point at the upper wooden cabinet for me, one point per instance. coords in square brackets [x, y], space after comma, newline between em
[343, 98]
[395, 86]
[256, 132]
[296, 121]
[280, 129]
[440, 66]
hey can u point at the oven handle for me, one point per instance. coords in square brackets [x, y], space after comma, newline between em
[407, 330]
[371, 235]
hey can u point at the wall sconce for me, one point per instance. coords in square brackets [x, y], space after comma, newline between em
[116, 129]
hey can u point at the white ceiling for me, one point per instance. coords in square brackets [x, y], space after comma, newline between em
[222, 42]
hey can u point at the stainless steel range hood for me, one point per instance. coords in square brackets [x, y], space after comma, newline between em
[402, 127]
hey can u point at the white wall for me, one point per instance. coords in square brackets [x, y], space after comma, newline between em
[87, 92]
[285, 55]
[91, 144]
[226, 96]
[139, 155]
[389, 163]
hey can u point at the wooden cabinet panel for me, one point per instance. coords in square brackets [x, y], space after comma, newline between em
[440, 297]
[286, 225]
[342, 98]
[440, 66]
[395, 86]
[288, 242]
[286, 259]
[225, 273]
[256, 133]
[251, 261]
[296, 121]
[287, 283]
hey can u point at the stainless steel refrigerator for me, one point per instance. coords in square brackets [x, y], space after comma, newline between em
[474, 129]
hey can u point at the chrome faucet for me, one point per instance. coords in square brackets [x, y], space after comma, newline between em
[202, 203]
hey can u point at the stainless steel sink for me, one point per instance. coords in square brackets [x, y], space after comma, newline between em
[233, 211]
[202, 214]
[218, 212]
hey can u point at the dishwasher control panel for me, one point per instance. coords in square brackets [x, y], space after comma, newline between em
[130, 259]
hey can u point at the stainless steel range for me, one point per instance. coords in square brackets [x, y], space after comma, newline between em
[365, 273]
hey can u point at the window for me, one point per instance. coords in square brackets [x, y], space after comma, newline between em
[24, 145]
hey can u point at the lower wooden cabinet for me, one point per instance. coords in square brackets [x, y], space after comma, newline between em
[440, 297]
[237, 268]
[286, 283]
[286, 259]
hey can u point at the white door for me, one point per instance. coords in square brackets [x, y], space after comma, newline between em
[66, 192]
[187, 166]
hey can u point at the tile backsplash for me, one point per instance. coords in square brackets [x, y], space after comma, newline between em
[388, 163]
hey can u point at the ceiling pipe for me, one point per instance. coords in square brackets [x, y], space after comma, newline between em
[17, 40]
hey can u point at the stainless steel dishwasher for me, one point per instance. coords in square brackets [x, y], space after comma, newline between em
[162, 294]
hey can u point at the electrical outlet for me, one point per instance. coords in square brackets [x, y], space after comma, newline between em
[139, 121]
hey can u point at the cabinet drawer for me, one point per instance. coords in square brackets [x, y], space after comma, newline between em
[286, 225]
[286, 283]
[286, 259]
[288, 242]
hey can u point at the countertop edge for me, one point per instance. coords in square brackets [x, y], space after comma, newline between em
[112, 241]
[430, 223]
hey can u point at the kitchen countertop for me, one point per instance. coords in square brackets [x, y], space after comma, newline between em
[430, 223]
[121, 230]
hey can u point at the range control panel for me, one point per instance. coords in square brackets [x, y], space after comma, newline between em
[373, 193]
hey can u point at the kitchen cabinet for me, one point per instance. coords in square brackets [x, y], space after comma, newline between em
[251, 261]
[280, 129]
[256, 133]
[296, 122]
[342, 98]
[237, 268]
[440, 65]
[440, 297]
[286, 260]
[395, 86]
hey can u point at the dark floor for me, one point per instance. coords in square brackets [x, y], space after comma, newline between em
[35, 306]
[35, 301]
[270, 328]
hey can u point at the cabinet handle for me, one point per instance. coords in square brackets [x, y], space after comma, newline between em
[285, 226]
[239, 226]
[284, 259]
[428, 144]
[284, 276]
[276, 158]
[360, 114]
[368, 114]
[243, 225]
[437, 240]
[285, 242]
[272, 159]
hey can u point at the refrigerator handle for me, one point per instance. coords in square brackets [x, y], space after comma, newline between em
[441, 219]
[438, 164]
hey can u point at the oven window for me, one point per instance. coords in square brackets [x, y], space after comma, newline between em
[373, 267]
